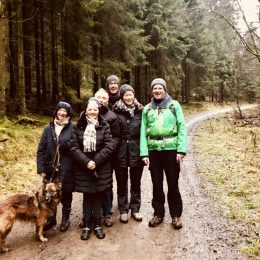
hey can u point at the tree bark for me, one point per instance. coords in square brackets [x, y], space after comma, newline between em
[3, 65]
[37, 53]
[20, 51]
[42, 49]
[27, 55]
[54, 65]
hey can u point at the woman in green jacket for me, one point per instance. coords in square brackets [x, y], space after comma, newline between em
[163, 145]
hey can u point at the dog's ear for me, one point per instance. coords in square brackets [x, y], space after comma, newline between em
[44, 181]
[57, 181]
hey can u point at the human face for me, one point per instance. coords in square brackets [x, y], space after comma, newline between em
[113, 87]
[92, 111]
[62, 114]
[102, 98]
[128, 98]
[158, 92]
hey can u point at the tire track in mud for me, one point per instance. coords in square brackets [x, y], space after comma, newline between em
[206, 234]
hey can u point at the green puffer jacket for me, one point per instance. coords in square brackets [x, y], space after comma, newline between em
[163, 128]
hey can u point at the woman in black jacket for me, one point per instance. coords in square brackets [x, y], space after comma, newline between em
[91, 148]
[129, 112]
[53, 145]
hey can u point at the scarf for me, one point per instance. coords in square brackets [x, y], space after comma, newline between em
[59, 125]
[160, 103]
[113, 98]
[89, 136]
[120, 105]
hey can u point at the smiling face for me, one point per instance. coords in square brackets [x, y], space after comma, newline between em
[62, 114]
[102, 98]
[128, 97]
[158, 92]
[92, 111]
[113, 87]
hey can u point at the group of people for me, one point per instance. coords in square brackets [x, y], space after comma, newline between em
[115, 133]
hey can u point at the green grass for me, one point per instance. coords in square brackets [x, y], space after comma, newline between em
[228, 157]
[18, 155]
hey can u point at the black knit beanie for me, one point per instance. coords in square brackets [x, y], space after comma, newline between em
[125, 88]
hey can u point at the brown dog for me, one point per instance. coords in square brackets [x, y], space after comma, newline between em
[31, 208]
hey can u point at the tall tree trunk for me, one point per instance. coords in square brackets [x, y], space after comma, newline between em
[95, 68]
[63, 85]
[12, 53]
[54, 69]
[20, 49]
[27, 54]
[42, 49]
[37, 53]
[3, 68]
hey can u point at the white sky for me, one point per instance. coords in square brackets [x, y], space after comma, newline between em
[251, 9]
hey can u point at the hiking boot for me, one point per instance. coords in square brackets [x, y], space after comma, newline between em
[50, 223]
[137, 216]
[155, 221]
[65, 222]
[108, 221]
[124, 218]
[176, 223]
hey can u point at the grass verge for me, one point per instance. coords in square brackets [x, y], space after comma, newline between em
[18, 144]
[228, 159]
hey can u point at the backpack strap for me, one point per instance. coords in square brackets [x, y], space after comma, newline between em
[171, 107]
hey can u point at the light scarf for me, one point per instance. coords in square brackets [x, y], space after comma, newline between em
[120, 105]
[59, 125]
[89, 136]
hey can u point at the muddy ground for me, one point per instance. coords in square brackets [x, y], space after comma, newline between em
[206, 234]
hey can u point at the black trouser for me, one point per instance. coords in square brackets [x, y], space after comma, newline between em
[66, 199]
[107, 203]
[165, 161]
[92, 203]
[135, 189]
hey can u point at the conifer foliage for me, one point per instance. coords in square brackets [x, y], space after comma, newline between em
[53, 50]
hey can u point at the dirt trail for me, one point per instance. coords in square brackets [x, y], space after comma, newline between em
[205, 234]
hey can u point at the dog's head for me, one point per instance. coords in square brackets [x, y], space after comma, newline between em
[51, 191]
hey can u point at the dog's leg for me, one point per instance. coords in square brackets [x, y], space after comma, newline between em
[3, 248]
[39, 229]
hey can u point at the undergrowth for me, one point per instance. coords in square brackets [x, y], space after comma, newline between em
[18, 144]
[228, 159]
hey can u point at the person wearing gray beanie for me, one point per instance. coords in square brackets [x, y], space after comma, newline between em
[163, 145]
[128, 161]
[112, 85]
[159, 81]
[125, 88]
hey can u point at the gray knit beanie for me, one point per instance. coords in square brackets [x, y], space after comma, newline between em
[125, 88]
[112, 78]
[159, 81]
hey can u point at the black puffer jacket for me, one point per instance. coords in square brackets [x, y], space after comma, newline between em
[46, 155]
[128, 151]
[85, 180]
[113, 122]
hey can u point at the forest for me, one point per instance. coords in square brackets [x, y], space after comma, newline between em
[64, 50]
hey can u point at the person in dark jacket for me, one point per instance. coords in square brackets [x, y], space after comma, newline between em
[53, 150]
[129, 113]
[102, 96]
[112, 85]
[91, 148]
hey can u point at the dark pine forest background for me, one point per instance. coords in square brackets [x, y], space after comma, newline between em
[64, 50]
